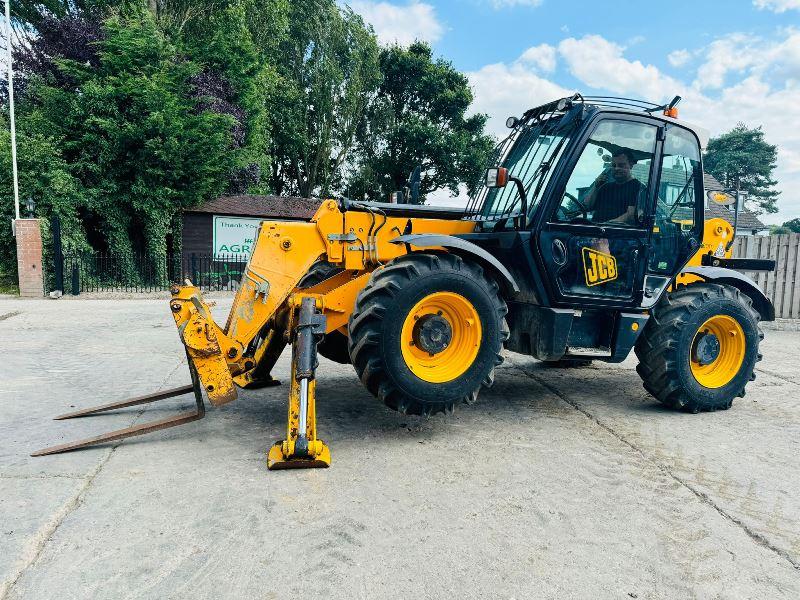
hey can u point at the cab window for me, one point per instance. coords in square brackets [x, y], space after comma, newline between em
[609, 184]
[680, 188]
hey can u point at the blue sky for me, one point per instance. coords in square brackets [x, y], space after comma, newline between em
[476, 33]
[732, 61]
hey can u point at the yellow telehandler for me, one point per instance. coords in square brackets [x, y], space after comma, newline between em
[587, 240]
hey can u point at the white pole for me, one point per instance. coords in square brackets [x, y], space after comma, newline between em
[11, 110]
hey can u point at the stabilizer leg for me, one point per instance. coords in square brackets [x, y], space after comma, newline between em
[301, 449]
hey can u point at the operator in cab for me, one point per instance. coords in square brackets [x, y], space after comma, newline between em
[616, 192]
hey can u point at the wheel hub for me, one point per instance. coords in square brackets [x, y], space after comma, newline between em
[432, 333]
[706, 348]
[441, 337]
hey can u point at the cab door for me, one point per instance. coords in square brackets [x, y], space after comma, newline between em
[678, 217]
[594, 240]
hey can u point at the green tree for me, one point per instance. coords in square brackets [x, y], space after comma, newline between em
[27, 13]
[174, 113]
[742, 159]
[133, 135]
[239, 78]
[328, 67]
[419, 118]
[792, 225]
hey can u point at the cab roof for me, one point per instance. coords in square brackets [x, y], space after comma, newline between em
[616, 105]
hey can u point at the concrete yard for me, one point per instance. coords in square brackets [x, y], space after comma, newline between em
[556, 484]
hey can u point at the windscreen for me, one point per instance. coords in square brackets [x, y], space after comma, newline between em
[530, 153]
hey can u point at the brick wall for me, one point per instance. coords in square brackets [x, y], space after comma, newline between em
[29, 258]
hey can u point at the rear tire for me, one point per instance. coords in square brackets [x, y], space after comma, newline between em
[685, 375]
[334, 345]
[406, 379]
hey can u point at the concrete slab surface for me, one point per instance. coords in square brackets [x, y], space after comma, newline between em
[556, 484]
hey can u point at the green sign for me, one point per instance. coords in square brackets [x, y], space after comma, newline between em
[234, 235]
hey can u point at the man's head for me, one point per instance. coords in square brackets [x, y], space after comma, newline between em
[622, 162]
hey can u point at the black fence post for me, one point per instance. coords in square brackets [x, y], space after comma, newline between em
[193, 268]
[58, 254]
[76, 281]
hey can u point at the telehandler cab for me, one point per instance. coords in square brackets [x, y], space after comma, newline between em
[599, 247]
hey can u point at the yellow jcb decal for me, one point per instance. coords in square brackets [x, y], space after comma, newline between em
[598, 267]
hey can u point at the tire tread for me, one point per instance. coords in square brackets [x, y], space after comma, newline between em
[657, 348]
[365, 327]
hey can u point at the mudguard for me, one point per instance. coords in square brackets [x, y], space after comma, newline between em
[460, 247]
[742, 282]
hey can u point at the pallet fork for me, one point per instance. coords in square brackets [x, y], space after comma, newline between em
[133, 431]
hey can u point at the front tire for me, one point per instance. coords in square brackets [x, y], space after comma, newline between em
[700, 347]
[427, 332]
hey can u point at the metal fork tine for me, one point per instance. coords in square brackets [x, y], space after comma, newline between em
[125, 403]
[141, 429]
[121, 434]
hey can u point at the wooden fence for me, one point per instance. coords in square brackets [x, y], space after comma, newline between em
[783, 286]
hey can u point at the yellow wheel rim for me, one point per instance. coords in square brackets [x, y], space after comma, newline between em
[727, 355]
[444, 359]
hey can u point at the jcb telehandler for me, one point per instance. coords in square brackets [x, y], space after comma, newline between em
[585, 242]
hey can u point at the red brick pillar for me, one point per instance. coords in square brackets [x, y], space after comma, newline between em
[29, 258]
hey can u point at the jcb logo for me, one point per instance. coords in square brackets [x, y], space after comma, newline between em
[598, 267]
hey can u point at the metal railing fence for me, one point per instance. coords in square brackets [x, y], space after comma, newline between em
[112, 272]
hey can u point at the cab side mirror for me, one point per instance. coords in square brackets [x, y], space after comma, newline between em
[496, 177]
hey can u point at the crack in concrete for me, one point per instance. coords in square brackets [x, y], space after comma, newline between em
[43, 476]
[776, 375]
[9, 315]
[34, 549]
[759, 539]
[172, 372]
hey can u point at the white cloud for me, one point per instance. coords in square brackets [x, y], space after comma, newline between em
[600, 64]
[443, 197]
[732, 53]
[543, 57]
[777, 6]
[757, 103]
[400, 23]
[737, 53]
[503, 90]
[678, 58]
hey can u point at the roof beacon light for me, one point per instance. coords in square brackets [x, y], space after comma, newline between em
[671, 109]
